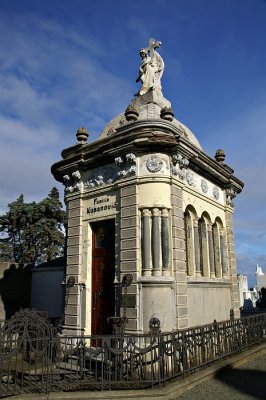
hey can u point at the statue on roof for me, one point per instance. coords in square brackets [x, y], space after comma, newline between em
[151, 68]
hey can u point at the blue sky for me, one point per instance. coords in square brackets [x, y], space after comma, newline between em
[66, 63]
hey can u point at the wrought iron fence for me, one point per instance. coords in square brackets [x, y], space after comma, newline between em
[34, 358]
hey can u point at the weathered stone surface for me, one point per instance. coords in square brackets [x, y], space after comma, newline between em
[74, 222]
[128, 201]
[128, 244]
[128, 212]
[128, 266]
[128, 233]
[128, 222]
[128, 255]
[75, 212]
[128, 191]
[74, 204]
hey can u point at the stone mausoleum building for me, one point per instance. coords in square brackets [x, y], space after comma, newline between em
[146, 204]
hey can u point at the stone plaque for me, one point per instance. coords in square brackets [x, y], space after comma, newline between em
[100, 206]
[128, 301]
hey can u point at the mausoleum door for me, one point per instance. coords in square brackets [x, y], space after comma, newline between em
[103, 272]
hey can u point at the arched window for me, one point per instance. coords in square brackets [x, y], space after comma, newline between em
[203, 243]
[217, 249]
[190, 242]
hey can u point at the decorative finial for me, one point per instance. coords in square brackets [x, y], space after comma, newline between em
[220, 156]
[131, 113]
[82, 134]
[151, 68]
[167, 113]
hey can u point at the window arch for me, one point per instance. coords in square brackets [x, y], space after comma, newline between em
[219, 242]
[217, 250]
[205, 245]
[189, 230]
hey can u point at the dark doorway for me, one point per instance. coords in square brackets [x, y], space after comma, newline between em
[103, 273]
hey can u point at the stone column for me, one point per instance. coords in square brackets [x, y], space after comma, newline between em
[146, 242]
[197, 246]
[155, 242]
[223, 254]
[165, 241]
[190, 245]
[211, 252]
[217, 251]
[204, 248]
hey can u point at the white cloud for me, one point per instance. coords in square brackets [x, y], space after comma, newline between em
[51, 72]
[52, 80]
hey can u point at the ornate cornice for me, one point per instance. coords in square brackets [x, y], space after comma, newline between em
[142, 137]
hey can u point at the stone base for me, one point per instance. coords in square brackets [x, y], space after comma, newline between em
[157, 300]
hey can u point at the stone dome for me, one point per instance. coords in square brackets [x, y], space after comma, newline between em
[149, 108]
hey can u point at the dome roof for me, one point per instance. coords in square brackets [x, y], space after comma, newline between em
[149, 108]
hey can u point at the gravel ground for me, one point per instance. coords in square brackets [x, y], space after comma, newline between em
[248, 381]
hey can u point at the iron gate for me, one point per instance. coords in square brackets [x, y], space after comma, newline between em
[35, 358]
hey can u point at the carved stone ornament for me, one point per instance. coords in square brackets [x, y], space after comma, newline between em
[216, 192]
[154, 163]
[190, 177]
[101, 176]
[67, 183]
[177, 159]
[230, 195]
[118, 160]
[204, 186]
[77, 182]
[179, 165]
[72, 182]
[129, 164]
[131, 158]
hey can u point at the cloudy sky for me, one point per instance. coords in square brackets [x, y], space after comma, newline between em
[66, 63]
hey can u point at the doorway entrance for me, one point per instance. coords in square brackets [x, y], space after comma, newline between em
[103, 273]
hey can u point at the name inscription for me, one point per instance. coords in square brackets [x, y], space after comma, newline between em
[101, 204]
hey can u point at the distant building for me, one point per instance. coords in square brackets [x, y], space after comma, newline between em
[247, 297]
[260, 279]
[251, 297]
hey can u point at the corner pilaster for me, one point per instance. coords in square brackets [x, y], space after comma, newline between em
[179, 258]
[73, 323]
[232, 263]
[129, 251]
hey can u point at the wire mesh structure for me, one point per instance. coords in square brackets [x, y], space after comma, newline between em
[35, 358]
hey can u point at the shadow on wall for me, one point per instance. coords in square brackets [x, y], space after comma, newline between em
[15, 288]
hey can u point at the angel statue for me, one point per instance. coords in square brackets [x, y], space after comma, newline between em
[151, 68]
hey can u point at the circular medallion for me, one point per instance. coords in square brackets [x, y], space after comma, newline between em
[154, 163]
[216, 192]
[204, 186]
[190, 178]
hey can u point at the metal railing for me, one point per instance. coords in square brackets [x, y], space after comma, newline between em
[36, 359]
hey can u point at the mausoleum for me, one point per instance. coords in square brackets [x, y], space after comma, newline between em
[150, 231]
